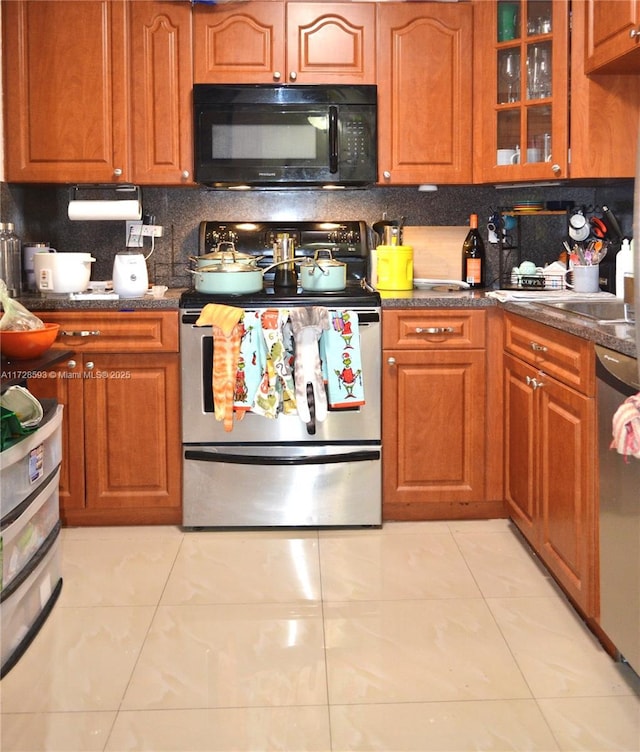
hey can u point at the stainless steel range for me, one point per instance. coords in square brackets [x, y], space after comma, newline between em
[304, 445]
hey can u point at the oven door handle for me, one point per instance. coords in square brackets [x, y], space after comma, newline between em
[243, 459]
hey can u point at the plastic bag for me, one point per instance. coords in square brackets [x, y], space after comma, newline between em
[16, 317]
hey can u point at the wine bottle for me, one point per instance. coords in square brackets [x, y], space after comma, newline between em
[473, 256]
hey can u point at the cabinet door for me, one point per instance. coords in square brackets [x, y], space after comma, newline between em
[433, 432]
[567, 457]
[66, 89]
[131, 403]
[331, 43]
[161, 84]
[425, 103]
[521, 75]
[613, 36]
[244, 44]
[64, 383]
[520, 446]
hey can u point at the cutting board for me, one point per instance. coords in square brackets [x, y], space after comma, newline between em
[437, 250]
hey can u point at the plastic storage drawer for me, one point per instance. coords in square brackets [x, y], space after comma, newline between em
[25, 609]
[25, 529]
[27, 464]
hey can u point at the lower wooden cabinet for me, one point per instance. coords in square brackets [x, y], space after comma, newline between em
[550, 452]
[436, 396]
[121, 430]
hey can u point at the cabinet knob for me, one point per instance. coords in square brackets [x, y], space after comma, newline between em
[391, 361]
[90, 365]
[71, 364]
[277, 75]
[386, 175]
[635, 33]
[186, 174]
[555, 169]
[293, 76]
[117, 172]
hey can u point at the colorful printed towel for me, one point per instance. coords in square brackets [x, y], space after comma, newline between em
[342, 364]
[276, 391]
[626, 428]
[227, 332]
[251, 363]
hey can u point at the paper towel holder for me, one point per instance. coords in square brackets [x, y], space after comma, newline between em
[91, 208]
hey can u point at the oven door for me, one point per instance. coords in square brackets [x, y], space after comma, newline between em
[341, 425]
[282, 486]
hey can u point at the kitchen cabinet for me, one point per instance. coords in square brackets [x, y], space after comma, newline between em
[110, 104]
[612, 36]
[550, 454]
[276, 42]
[438, 389]
[65, 91]
[521, 74]
[121, 456]
[425, 108]
[161, 84]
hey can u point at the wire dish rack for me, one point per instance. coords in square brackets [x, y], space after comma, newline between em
[536, 281]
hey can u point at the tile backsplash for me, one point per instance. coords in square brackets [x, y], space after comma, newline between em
[39, 213]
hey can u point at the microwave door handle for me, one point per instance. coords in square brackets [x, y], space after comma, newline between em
[333, 140]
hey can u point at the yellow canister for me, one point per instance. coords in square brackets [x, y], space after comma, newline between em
[394, 267]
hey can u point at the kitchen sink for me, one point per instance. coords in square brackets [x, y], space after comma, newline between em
[601, 311]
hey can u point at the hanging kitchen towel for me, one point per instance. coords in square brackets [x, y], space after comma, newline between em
[307, 325]
[276, 391]
[251, 362]
[626, 428]
[341, 360]
[227, 332]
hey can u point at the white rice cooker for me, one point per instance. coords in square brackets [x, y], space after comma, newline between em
[62, 272]
[130, 276]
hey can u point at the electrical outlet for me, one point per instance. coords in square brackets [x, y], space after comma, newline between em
[152, 231]
[134, 237]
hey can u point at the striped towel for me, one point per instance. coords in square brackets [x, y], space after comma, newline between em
[626, 428]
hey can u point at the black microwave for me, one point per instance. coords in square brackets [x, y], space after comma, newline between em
[263, 135]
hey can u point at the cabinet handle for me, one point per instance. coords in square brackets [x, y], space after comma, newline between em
[555, 168]
[81, 333]
[435, 330]
[534, 383]
[538, 348]
[117, 172]
[90, 365]
[293, 76]
[391, 361]
[635, 33]
[277, 75]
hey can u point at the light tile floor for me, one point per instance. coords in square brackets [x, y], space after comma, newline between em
[434, 637]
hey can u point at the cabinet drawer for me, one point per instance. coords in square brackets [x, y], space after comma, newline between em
[139, 331]
[441, 329]
[567, 357]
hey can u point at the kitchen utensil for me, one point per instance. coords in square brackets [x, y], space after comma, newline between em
[24, 345]
[323, 273]
[28, 272]
[130, 276]
[598, 227]
[584, 278]
[285, 277]
[230, 278]
[612, 223]
[62, 272]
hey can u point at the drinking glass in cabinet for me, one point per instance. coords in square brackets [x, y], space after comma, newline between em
[508, 76]
[508, 21]
[539, 70]
[538, 17]
[539, 133]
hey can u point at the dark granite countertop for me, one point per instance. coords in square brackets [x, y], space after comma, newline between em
[618, 337]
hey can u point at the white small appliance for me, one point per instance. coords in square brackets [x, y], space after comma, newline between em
[130, 276]
[62, 272]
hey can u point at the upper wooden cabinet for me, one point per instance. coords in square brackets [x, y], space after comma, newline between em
[425, 64]
[276, 42]
[613, 36]
[521, 74]
[65, 91]
[161, 84]
[73, 104]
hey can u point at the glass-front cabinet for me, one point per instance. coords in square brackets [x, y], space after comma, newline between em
[522, 89]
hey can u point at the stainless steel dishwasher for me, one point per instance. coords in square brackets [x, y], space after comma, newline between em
[619, 511]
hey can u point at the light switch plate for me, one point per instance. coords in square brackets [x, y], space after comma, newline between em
[134, 238]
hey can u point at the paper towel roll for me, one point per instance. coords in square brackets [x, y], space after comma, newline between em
[97, 210]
